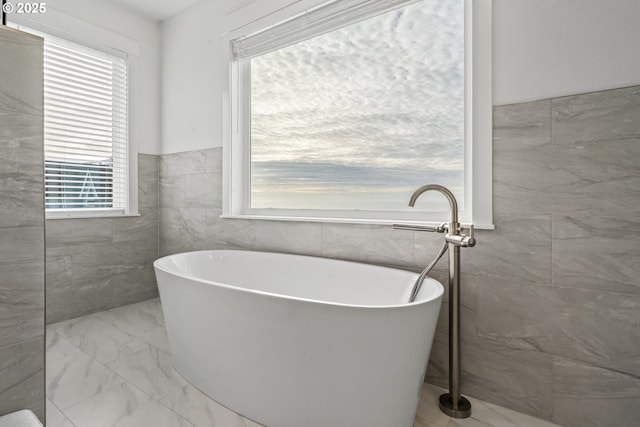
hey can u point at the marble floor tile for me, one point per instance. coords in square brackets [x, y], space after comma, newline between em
[99, 339]
[157, 337]
[123, 406]
[152, 306]
[55, 418]
[77, 377]
[429, 415]
[141, 389]
[468, 422]
[250, 423]
[142, 320]
[513, 418]
[134, 319]
[151, 370]
[486, 414]
[203, 411]
[57, 346]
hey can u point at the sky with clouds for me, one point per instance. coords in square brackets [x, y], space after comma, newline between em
[360, 117]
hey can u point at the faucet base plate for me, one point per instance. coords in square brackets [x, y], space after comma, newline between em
[461, 410]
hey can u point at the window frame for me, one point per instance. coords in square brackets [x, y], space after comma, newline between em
[102, 40]
[478, 132]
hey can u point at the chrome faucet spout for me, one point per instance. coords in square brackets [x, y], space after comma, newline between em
[453, 204]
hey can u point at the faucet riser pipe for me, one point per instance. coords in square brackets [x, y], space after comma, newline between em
[452, 403]
[454, 324]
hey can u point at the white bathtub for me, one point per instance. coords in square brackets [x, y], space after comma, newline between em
[295, 341]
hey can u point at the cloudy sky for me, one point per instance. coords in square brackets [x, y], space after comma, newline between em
[360, 117]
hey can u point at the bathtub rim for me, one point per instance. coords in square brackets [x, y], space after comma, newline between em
[437, 294]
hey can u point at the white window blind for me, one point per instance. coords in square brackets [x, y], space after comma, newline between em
[85, 130]
[314, 22]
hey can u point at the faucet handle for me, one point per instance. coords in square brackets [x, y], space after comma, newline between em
[459, 239]
[442, 228]
[469, 240]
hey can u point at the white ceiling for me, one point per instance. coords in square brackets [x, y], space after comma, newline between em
[158, 10]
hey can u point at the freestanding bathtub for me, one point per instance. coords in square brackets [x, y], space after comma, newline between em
[297, 341]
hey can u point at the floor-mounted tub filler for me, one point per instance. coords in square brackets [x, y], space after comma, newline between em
[292, 341]
[453, 403]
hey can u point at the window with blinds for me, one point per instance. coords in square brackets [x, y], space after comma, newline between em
[314, 22]
[85, 128]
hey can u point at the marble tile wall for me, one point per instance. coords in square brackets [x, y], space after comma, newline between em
[21, 224]
[94, 264]
[550, 298]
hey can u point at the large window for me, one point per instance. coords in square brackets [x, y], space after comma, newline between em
[341, 111]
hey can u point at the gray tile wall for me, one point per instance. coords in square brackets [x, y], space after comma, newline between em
[551, 298]
[95, 264]
[21, 224]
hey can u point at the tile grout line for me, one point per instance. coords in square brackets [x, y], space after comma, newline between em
[87, 398]
[60, 410]
[127, 382]
[171, 409]
[93, 359]
[157, 400]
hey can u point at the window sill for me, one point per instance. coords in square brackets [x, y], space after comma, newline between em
[87, 215]
[360, 221]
